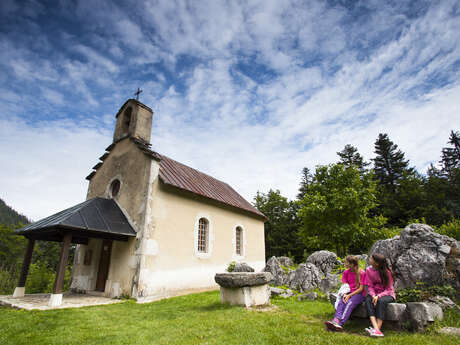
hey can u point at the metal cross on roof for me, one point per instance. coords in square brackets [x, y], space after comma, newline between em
[137, 93]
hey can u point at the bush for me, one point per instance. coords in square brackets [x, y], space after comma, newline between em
[422, 292]
[8, 280]
[451, 229]
[231, 266]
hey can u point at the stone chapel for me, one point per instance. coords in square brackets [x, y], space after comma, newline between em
[151, 227]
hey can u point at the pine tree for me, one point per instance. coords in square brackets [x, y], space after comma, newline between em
[390, 166]
[350, 156]
[451, 155]
[306, 180]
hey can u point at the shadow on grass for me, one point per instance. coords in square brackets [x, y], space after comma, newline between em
[213, 307]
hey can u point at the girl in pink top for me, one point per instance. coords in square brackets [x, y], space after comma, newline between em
[354, 277]
[380, 290]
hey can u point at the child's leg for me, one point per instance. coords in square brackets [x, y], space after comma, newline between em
[352, 303]
[340, 308]
[381, 308]
[371, 312]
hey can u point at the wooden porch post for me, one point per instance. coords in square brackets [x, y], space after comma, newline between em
[56, 296]
[19, 290]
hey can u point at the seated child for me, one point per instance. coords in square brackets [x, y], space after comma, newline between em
[379, 282]
[354, 277]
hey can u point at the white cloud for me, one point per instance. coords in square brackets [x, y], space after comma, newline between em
[336, 81]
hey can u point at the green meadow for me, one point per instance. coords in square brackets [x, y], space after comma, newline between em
[199, 319]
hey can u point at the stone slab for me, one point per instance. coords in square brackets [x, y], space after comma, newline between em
[40, 301]
[242, 279]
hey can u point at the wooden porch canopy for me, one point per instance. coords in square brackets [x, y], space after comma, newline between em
[94, 218]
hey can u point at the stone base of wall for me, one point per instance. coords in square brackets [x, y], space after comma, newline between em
[248, 296]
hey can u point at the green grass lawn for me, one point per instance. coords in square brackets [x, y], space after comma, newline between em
[196, 319]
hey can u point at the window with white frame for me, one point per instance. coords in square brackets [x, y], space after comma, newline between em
[203, 235]
[238, 240]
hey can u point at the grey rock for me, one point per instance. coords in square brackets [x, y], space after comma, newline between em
[419, 255]
[241, 279]
[306, 277]
[274, 291]
[444, 302]
[396, 312]
[243, 267]
[362, 257]
[329, 282]
[307, 296]
[325, 261]
[280, 277]
[450, 330]
[287, 293]
[285, 261]
[421, 314]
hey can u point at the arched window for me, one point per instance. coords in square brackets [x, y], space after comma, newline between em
[203, 235]
[126, 120]
[238, 240]
[114, 188]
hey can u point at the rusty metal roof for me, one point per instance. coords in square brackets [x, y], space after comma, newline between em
[181, 176]
[97, 217]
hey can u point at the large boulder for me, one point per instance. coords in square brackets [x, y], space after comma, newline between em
[242, 279]
[286, 261]
[329, 282]
[306, 277]
[325, 261]
[280, 275]
[421, 314]
[421, 255]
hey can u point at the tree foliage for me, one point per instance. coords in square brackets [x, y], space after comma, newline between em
[335, 211]
[281, 238]
[350, 156]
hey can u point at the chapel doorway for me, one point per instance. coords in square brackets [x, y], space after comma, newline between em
[104, 263]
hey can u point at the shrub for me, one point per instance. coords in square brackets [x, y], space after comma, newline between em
[231, 266]
[451, 229]
[422, 292]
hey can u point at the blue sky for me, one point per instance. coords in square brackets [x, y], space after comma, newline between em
[247, 91]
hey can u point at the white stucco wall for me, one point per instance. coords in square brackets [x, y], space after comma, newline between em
[170, 260]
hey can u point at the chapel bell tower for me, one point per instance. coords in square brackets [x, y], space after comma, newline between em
[133, 119]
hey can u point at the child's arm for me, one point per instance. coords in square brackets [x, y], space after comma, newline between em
[370, 285]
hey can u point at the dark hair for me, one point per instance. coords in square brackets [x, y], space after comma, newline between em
[353, 260]
[383, 269]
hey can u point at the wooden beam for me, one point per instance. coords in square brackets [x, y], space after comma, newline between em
[59, 281]
[26, 263]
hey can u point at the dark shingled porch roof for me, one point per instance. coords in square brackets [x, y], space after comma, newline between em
[93, 218]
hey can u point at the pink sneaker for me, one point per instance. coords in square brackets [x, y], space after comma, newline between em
[375, 333]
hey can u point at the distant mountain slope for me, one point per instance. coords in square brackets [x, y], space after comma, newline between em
[9, 216]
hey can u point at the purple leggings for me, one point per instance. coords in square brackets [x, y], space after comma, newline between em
[344, 310]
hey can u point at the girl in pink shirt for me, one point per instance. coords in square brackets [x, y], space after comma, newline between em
[354, 277]
[380, 290]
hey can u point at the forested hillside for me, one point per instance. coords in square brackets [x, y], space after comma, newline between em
[8, 216]
[12, 248]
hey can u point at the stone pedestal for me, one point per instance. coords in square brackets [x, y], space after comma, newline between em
[55, 300]
[19, 292]
[244, 288]
[248, 296]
